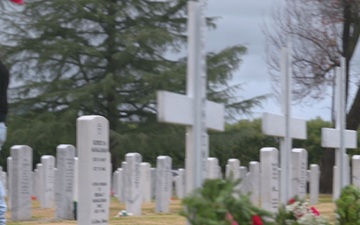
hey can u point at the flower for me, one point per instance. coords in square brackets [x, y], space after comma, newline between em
[256, 220]
[302, 213]
[315, 211]
[230, 217]
[19, 2]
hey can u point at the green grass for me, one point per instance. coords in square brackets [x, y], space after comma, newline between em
[149, 217]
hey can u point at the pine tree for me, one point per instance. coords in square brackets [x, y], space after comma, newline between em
[104, 57]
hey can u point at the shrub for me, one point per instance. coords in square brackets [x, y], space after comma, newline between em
[348, 206]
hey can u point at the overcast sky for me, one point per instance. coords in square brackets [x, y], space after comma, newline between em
[241, 23]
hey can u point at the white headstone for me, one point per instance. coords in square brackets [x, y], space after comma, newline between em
[124, 180]
[39, 182]
[133, 183]
[65, 157]
[314, 184]
[153, 183]
[212, 171]
[163, 183]
[233, 169]
[94, 170]
[115, 183]
[299, 164]
[269, 179]
[21, 182]
[146, 181]
[8, 163]
[76, 179]
[120, 185]
[244, 186]
[254, 181]
[48, 162]
[355, 162]
[180, 184]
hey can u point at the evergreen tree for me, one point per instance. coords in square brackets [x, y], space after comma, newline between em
[105, 57]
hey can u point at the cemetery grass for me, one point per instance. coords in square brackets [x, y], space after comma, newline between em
[149, 217]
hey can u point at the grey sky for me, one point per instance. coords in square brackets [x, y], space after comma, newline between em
[241, 23]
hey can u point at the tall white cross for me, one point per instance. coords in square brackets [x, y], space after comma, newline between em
[339, 138]
[193, 110]
[285, 127]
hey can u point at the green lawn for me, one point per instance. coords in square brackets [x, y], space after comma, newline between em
[149, 217]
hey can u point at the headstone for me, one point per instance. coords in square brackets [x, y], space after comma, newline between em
[33, 187]
[76, 180]
[355, 162]
[299, 164]
[146, 181]
[233, 169]
[39, 182]
[284, 126]
[21, 182]
[120, 185]
[48, 162]
[212, 168]
[8, 163]
[65, 157]
[244, 180]
[314, 184]
[180, 184]
[153, 183]
[163, 183]
[114, 182]
[133, 182]
[94, 170]
[124, 180]
[269, 179]
[254, 181]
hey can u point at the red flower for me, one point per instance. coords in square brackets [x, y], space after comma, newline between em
[256, 220]
[314, 211]
[291, 201]
[230, 217]
[19, 2]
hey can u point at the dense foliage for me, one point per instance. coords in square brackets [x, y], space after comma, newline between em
[348, 206]
[218, 203]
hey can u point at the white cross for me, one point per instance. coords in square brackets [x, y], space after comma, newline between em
[285, 127]
[339, 138]
[193, 110]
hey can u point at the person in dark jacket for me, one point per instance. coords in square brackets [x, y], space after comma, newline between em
[4, 84]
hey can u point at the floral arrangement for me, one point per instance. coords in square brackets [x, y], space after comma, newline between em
[218, 202]
[299, 212]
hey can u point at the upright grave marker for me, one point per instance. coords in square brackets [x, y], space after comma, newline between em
[48, 162]
[339, 138]
[133, 182]
[146, 179]
[94, 170]
[269, 179]
[193, 110]
[163, 183]
[284, 126]
[65, 161]
[299, 164]
[21, 182]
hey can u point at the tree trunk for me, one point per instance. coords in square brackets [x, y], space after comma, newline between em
[326, 166]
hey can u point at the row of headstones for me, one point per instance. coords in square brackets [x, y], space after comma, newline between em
[58, 187]
[138, 185]
[266, 172]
